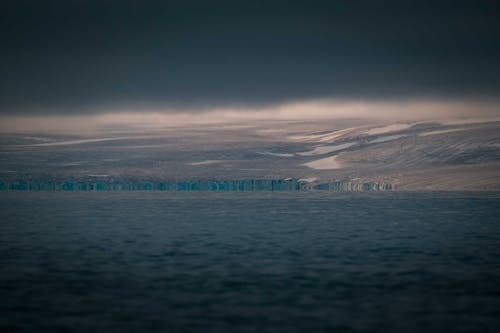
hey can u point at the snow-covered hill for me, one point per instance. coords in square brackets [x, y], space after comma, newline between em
[457, 155]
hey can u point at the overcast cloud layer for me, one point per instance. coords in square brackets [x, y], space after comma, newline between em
[74, 57]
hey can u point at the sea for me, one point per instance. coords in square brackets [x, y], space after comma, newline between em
[316, 261]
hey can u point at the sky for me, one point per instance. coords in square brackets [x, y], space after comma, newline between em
[90, 58]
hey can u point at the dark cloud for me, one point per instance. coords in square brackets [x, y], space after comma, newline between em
[79, 55]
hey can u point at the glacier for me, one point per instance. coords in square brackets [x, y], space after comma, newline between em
[194, 185]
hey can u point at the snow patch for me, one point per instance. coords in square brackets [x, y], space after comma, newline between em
[75, 142]
[308, 180]
[275, 154]
[327, 163]
[388, 128]
[205, 162]
[320, 150]
[442, 131]
[325, 137]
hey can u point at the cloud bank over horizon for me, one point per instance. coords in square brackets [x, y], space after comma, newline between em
[95, 57]
[315, 111]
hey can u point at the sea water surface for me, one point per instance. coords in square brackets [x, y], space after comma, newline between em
[249, 262]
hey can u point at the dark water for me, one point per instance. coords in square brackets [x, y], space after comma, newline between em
[225, 262]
